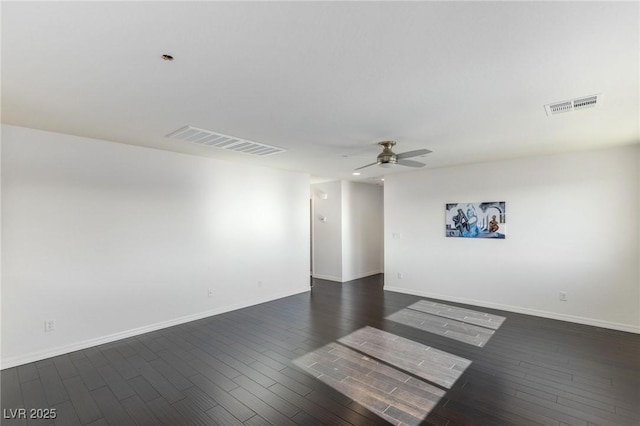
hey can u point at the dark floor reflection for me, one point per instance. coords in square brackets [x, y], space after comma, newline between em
[337, 309]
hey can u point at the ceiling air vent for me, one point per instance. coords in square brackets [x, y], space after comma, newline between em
[573, 104]
[218, 140]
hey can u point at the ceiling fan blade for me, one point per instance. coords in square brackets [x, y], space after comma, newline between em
[411, 163]
[368, 165]
[415, 153]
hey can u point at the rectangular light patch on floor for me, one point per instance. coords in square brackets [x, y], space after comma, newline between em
[463, 325]
[396, 378]
[461, 314]
[456, 330]
[433, 365]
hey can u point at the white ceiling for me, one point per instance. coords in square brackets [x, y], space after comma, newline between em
[468, 80]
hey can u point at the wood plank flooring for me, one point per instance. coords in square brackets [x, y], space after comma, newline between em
[249, 367]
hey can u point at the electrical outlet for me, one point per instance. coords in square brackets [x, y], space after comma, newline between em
[49, 325]
[563, 296]
[210, 293]
[259, 284]
[400, 275]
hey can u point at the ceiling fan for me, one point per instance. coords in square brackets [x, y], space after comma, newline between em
[388, 158]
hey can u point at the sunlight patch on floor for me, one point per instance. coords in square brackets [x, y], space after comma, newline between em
[463, 325]
[398, 379]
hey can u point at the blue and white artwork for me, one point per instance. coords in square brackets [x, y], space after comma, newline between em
[476, 220]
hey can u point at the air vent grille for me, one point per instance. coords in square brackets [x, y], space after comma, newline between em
[219, 140]
[573, 104]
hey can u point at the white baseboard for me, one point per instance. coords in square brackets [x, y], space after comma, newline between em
[517, 309]
[40, 355]
[327, 277]
[365, 274]
[342, 280]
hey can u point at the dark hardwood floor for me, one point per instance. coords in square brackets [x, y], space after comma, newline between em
[238, 368]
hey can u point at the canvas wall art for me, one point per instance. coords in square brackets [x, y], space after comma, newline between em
[476, 220]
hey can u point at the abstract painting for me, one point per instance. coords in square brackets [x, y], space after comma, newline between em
[476, 220]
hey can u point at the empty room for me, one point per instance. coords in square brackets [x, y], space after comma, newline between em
[309, 212]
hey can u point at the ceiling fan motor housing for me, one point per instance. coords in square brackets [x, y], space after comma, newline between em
[387, 156]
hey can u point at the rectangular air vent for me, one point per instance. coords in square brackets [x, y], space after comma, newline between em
[573, 104]
[219, 140]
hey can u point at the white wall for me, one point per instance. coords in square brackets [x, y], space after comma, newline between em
[362, 230]
[572, 225]
[112, 240]
[349, 244]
